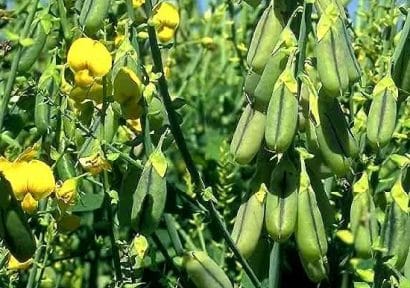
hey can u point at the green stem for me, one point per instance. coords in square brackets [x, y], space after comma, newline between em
[182, 146]
[14, 65]
[173, 234]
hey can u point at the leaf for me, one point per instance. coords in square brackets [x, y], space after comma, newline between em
[361, 285]
[400, 196]
[346, 236]
[26, 42]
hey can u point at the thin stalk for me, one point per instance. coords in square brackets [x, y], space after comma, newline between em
[173, 234]
[14, 65]
[62, 11]
[107, 202]
[182, 146]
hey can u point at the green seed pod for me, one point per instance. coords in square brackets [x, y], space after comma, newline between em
[93, 14]
[267, 33]
[316, 270]
[150, 196]
[330, 55]
[249, 222]
[401, 59]
[156, 113]
[204, 272]
[31, 53]
[353, 68]
[363, 219]
[251, 82]
[248, 135]
[65, 167]
[253, 3]
[310, 231]
[111, 124]
[259, 261]
[381, 120]
[282, 114]
[336, 143]
[14, 229]
[396, 233]
[281, 202]
[275, 65]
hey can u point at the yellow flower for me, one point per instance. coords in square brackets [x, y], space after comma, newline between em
[67, 192]
[29, 204]
[165, 20]
[127, 86]
[34, 177]
[140, 246]
[14, 264]
[134, 125]
[91, 55]
[137, 3]
[95, 164]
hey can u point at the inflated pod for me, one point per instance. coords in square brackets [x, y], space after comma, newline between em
[336, 143]
[401, 59]
[274, 67]
[204, 272]
[310, 231]
[264, 39]
[31, 53]
[251, 82]
[248, 135]
[282, 114]
[316, 270]
[396, 235]
[381, 119]
[249, 222]
[331, 65]
[281, 201]
[107, 131]
[363, 219]
[150, 195]
[353, 68]
[14, 229]
[93, 14]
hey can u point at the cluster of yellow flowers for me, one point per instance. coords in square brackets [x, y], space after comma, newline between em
[90, 61]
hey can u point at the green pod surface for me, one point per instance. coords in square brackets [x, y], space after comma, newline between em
[156, 113]
[281, 118]
[330, 64]
[264, 38]
[65, 167]
[148, 200]
[335, 140]
[396, 234]
[363, 223]
[352, 66]
[401, 59]
[281, 201]
[316, 270]
[42, 111]
[381, 119]
[204, 272]
[31, 53]
[248, 135]
[248, 223]
[14, 229]
[274, 67]
[93, 14]
[310, 231]
[111, 124]
[251, 82]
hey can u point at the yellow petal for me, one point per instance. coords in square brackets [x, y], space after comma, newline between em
[140, 246]
[29, 204]
[127, 85]
[83, 78]
[40, 182]
[166, 34]
[99, 60]
[166, 14]
[94, 164]
[4, 164]
[78, 53]
[94, 92]
[17, 175]
[134, 125]
[67, 192]
[137, 3]
[14, 264]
